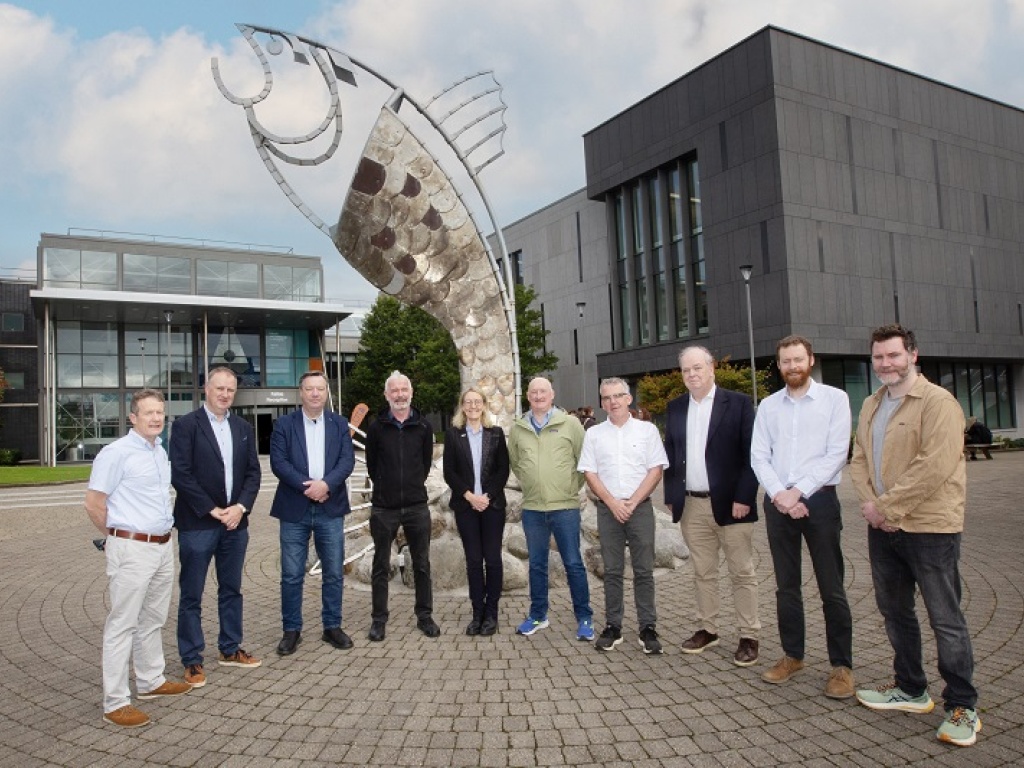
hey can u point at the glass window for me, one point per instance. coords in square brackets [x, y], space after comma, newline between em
[638, 237]
[307, 281]
[69, 371]
[211, 278]
[62, 267]
[86, 421]
[620, 226]
[277, 282]
[158, 274]
[13, 322]
[657, 208]
[239, 350]
[243, 280]
[675, 204]
[15, 379]
[624, 312]
[99, 270]
[99, 338]
[696, 215]
[69, 337]
[661, 305]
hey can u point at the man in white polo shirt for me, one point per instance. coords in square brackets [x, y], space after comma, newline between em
[622, 460]
[129, 500]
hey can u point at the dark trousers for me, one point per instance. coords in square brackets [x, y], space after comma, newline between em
[821, 530]
[384, 525]
[930, 562]
[481, 534]
[195, 551]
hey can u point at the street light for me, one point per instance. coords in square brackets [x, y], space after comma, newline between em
[142, 351]
[746, 271]
[580, 306]
[168, 314]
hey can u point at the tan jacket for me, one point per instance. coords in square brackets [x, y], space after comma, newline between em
[923, 467]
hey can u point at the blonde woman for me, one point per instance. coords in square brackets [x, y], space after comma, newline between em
[476, 469]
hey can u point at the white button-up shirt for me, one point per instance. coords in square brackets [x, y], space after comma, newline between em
[801, 443]
[698, 419]
[316, 445]
[622, 456]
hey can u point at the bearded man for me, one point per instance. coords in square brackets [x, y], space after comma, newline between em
[799, 448]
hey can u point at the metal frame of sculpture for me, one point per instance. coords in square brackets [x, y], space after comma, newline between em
[403, 224]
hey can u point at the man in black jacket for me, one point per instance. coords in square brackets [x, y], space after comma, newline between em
[399, 451]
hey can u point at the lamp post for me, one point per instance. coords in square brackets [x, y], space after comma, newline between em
[142, 351]
[746, 271]
[168, 314]
[580, 306]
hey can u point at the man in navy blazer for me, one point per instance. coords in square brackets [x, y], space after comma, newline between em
[312, 455]
[216, 474]
[711, 489]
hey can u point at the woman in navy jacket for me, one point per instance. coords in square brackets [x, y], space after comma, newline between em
[476, 469]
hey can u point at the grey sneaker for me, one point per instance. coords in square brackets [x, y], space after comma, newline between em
[890, 696]
[960, 727]
[610, 637]
[649, 640]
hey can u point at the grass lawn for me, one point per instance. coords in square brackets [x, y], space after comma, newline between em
[42, 475]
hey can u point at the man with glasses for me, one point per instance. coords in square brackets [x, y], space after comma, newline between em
[622, 461]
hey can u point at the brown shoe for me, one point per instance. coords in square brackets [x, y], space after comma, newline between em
[783, 670]
[127, 717]
[840, 683]
[746, 654]
[167, 689]
[239, 658]
[195, 676]
[701, 639]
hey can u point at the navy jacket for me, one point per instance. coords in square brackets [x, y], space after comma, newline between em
[289, 461]
[197, 470]
[727, 455]
[458, 466]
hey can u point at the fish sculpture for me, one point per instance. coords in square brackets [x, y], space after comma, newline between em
[403, 224]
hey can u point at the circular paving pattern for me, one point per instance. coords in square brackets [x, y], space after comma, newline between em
[500, 701]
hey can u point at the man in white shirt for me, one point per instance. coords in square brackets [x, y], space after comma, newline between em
[622, 460]
[800, 444]
[711, 491]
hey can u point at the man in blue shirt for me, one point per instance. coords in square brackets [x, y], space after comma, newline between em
[800, 444]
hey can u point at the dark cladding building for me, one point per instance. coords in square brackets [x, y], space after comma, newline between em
[860, 193]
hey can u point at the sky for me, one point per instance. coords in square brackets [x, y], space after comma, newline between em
[110, 119]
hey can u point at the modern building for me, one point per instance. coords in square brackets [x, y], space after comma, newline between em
[110, 315]
[858, 193]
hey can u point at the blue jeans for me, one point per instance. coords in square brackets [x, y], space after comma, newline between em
[329, 538]
[822, 530]
[564, 525]
[930, 561]
[195, 551]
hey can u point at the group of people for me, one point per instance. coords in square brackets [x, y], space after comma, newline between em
[907, 468]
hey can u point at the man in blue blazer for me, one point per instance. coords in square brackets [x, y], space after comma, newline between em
[216, 473]
[711, 489]
[312, 455]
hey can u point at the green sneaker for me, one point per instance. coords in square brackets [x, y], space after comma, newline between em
[960, 727]
[889, 696]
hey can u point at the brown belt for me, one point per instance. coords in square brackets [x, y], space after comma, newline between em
[151, 538]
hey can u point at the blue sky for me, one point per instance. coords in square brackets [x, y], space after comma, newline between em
[110, 119]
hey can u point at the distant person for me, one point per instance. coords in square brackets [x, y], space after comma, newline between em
[978, 434]
[801, 440]
[711, 491]
[216, 472]
[476, 469]
[544, 448]
[129, 501]
[399, 453]
[312, 455]
[909, 471]
[622, 461]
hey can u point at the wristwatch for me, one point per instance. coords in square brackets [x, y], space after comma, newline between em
[242, 507]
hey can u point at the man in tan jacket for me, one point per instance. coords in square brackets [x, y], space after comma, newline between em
[909, 472]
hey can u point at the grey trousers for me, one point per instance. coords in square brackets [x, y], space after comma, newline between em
[638, 532]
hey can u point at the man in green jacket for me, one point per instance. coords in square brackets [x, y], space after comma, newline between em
[544, 449]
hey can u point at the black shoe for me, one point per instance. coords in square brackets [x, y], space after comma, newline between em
[610, 637]
[488, 626]
[428, 627]
[289, 642]
[649, 640]
[337, 638]
[473, 628]
[376, 633]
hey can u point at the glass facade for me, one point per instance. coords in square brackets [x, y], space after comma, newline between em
[147, 273]
[659, 257]
[984, 390]
[290, 353]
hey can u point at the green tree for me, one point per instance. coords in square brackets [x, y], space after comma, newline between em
[531, 334]
[656, 389]
[407, 339]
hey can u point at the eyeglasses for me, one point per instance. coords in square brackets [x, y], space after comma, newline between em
[616, 396]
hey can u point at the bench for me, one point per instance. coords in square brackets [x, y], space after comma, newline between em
[986, 450]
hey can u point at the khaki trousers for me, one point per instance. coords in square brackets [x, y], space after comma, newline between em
[705, 538]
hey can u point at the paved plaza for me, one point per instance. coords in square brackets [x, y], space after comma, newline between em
[501, 701]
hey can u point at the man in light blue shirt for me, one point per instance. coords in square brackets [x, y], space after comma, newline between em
[129, 500]
[800, 444]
